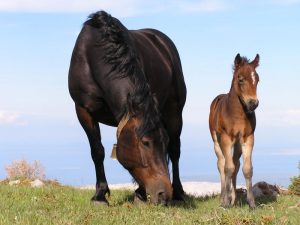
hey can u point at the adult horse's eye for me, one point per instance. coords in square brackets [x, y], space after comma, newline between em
[146, 143]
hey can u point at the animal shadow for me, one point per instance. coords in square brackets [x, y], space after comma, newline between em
[263, 200]
[189, 202]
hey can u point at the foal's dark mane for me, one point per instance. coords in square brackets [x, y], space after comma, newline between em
[120, 54]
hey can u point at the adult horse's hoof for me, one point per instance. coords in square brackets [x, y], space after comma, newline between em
[97, 202]
[178, 199]
[178, 196]
[138, 201]
[140, 196]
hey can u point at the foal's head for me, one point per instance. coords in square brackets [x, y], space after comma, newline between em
[245, 81]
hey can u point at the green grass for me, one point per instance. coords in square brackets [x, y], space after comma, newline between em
[54, 204]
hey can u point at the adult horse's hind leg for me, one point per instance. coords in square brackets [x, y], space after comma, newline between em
[92, 131]
[248, 169]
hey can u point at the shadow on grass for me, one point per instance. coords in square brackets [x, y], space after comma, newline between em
[119, 198]
[190, 202]
[242, 200]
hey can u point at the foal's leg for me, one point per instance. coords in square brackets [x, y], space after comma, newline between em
[92, 130]
[247, 148]
[227, 145]
[236, 160]
[221, 166]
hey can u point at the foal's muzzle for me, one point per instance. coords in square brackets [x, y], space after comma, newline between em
[252, 105]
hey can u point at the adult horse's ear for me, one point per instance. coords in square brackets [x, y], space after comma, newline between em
[237, 60]
[255, 62]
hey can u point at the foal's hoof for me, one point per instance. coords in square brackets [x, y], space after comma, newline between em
[252, 206]
[226, 204]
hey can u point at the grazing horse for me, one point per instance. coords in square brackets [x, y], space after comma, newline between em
[133, 80]
[232, 124]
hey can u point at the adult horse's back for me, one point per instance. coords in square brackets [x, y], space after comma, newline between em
[133, 80]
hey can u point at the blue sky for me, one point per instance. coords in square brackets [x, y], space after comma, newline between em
[37, 118]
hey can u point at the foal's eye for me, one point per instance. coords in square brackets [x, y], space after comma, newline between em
[241, 80]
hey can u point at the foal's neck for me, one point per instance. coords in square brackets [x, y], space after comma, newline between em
[234, 105]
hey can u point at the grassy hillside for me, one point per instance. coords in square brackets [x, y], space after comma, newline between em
[55, 204]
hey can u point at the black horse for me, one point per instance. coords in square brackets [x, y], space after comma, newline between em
[131, 79]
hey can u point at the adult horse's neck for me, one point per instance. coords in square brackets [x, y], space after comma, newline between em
[120, 54]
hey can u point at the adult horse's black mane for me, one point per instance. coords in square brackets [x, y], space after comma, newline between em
[119, 52]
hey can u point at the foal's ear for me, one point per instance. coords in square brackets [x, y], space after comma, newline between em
[255, 62]
[237, 60]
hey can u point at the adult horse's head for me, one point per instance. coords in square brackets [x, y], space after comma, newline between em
[145, 158]
[245, 79]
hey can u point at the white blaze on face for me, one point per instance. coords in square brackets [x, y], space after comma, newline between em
[253, 77]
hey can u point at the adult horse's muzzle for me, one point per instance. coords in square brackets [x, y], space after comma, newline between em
[159, 191]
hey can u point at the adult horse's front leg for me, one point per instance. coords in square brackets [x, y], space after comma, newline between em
[174, 153]
[174, 127]
[247, 148]
[140, 195]
[92, 130]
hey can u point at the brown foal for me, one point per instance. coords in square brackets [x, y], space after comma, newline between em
[232, 124]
